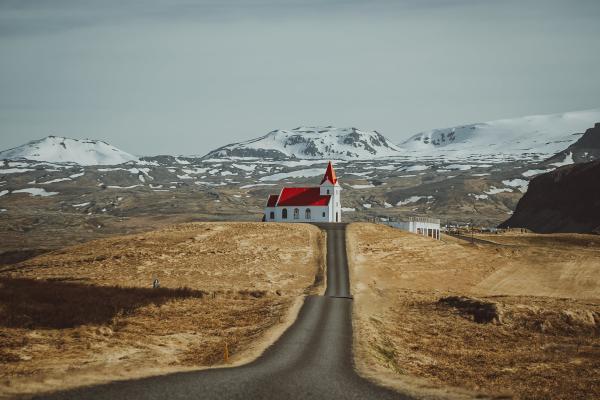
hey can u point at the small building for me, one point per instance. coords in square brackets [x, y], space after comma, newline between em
[307, 204]
[420, 225]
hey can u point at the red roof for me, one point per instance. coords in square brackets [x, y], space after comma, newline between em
[272, 200]
[329, 174]
[305, 196]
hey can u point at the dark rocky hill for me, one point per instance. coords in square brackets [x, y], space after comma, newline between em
[585, 149]
[564, 200]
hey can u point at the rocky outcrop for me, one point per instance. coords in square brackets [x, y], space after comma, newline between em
[564, 200]
[480, 311]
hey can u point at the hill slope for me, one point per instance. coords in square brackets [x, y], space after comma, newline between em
[312, 143]
[57, 149]
[564, 200]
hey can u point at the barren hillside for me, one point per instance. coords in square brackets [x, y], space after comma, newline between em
[517, 318]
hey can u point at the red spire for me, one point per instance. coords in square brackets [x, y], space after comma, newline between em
[329, 174]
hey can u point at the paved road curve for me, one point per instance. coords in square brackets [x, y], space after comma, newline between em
[312, 359]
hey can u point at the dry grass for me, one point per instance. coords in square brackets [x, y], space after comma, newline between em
[50, 304]
[87, 314]
[206, 256]
[484, 318]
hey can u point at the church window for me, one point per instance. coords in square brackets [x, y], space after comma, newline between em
[284, 213]
[307, 213]
[296, 213]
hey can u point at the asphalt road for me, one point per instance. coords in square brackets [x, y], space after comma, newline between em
[312, 359]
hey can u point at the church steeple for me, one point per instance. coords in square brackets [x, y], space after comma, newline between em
[329, 174]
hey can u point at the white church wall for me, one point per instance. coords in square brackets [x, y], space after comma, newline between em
[268, 215]
[333, 209]
[328, 188]
[317, 214]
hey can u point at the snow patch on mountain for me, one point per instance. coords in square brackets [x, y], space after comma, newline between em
[55, 181]
[35, 192]
[14, 170]
[568, 160]
[301, 173]
[520, 184]
[413, 168]
[495, 190]
[367, 186]
[64, 150]
[533, 172]
[313, 143]
[412, 199]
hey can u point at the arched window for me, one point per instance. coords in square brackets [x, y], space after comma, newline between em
[307, 213]
[272, 215]
[284, 213]
[296, 213]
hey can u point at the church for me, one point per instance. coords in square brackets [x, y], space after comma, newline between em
[307, 204]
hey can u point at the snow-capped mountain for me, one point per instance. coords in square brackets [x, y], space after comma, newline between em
[313, 143]
[57, 149]
[532, 136]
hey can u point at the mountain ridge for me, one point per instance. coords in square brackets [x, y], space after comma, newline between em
[531, 138]
[543, 135]
[314, 142]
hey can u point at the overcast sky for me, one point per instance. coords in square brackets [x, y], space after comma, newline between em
[184, 77]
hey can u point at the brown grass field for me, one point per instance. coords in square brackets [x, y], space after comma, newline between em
[518, 319]
[88, 314]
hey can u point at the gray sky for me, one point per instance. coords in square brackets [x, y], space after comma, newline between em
[184, 77]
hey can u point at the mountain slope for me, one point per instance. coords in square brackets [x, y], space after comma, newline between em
[57, 149]
[312, 143]
[527, 137]
[564, 200]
